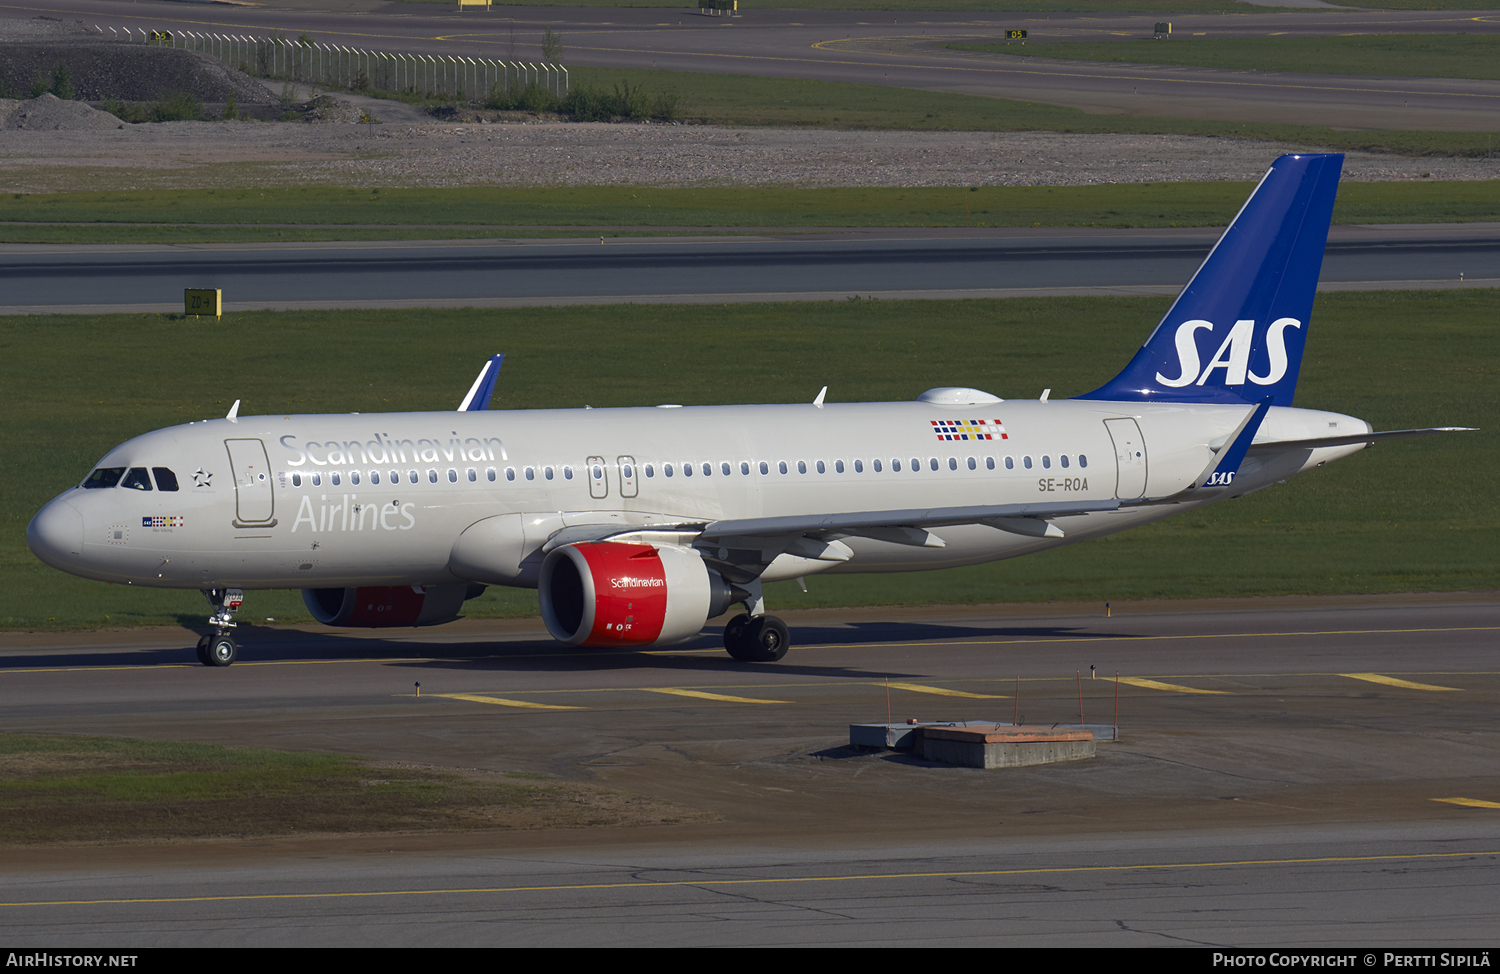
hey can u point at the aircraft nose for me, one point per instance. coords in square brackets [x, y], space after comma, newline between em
[55, 535]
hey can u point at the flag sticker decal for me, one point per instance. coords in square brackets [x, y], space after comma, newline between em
[969, 429]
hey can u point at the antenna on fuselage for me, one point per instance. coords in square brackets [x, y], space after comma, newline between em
[234, 412]
[819, 401]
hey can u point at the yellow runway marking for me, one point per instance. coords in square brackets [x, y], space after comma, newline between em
[501, 701]
[1136, 681]
[1470, 802]
[708, 696]
[1391, 681]
[940, 691]
[705, 883]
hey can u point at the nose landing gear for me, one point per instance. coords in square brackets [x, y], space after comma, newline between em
[220, 649]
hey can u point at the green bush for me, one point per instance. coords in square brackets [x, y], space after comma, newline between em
[177, 107]
[62, 81]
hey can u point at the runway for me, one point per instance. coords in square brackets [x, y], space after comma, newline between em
[887, 264]
[1286, 776]
[887, 48]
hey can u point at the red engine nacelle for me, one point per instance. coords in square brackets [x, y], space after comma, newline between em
[615, 593]
[382, 606]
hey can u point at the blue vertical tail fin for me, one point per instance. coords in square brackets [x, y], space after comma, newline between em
[1236, 332]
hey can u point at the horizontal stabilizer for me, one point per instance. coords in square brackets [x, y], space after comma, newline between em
[1319, 441]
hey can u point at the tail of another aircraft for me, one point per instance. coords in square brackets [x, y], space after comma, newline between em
[1235, 333]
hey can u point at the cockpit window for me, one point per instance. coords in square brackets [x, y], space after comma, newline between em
[136, 479]
[165, 478]
[104, 477]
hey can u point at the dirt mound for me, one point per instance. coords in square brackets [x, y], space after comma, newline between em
[326, 108]
[99, 70]
[49, 113]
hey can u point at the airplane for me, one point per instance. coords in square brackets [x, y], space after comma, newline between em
[638, 525]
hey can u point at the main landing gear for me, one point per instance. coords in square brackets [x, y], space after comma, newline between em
[220, 649]
[756, 639]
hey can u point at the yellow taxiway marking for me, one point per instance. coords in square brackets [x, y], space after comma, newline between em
[1470, 802]
[1136, 681]
[1391, 681]
[905, 644]
[676, 692]
[942, 692]
[500, 701]
[706, 883]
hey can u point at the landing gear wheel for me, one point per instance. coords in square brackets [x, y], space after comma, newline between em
[763, 639]
[203, 642]
[222, 651]
[735, 640]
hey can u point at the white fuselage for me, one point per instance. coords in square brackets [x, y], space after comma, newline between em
[381, 499]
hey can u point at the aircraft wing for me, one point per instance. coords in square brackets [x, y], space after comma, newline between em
[856, 521]
[908, 527]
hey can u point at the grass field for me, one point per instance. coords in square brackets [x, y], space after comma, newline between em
[1414, 515]
[223, 215]
[1471, 56]
[57, 788]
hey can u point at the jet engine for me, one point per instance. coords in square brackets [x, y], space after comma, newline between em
[384, 606]
[615, 593]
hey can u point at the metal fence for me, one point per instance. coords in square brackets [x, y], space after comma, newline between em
[355, 69]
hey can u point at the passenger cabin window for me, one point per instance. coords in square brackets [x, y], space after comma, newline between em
[431, 476]
[296, 479]
[104, 477]
[1083, 461]
[452, 476]
[165, 479]
[136, 479]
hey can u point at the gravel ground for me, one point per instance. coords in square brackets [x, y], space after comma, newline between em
[54, 146]
[43, 158]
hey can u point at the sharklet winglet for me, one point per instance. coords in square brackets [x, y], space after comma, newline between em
[484, 386]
